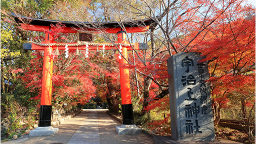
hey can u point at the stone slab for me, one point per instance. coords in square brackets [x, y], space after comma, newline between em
[190, 98]
[43, 131]
[128, 130]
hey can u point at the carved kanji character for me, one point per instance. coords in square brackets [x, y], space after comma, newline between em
[202, 83]
[184, 80]
[189, 95]
[203, 92]
[188, 111]
[189, 126]
[190, 80]
[196, 109]
[201, 71]
[197, 127]
[200, 65]
[187, 62]
[204, 108]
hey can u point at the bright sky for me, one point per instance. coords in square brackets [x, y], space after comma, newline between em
[252, 2]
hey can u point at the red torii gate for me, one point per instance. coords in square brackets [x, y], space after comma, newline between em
[44, 25]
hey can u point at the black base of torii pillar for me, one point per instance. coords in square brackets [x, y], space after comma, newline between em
[127, 113]
[45, 115]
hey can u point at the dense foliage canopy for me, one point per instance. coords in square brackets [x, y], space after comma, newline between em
[222, 30]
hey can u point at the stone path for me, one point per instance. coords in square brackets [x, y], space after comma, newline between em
[89, 127]
[88, 133]
[97, 127]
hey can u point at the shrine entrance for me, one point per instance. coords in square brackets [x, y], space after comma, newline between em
[85, 31]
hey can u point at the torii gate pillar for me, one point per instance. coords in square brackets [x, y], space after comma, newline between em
[46, 95]
[128, 127]
[127, 110]
[44, 126]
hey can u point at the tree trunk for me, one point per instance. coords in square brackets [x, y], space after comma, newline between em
[243, 109]
[110, 105]
[147, 82]
[216, 116]
[250, 122]
[152, 42]
[2, 76]
[112, 96]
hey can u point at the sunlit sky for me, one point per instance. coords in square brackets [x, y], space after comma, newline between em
[252, 2]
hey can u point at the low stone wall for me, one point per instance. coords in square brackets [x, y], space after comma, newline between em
[237, 126]
[3, 128]
[5, 124]
[59, 116]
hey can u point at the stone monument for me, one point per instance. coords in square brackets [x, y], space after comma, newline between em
[190, 98]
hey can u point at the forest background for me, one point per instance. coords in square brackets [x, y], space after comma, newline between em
[222, 30]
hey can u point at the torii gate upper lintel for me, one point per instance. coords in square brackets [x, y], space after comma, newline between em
[49, 45]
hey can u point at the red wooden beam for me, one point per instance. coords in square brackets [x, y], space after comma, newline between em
[35, 27]
[32, 46]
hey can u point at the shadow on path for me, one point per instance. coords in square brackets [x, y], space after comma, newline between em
[93, 124]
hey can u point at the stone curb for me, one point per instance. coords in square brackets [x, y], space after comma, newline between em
[120, 120]
[21, 139]
[113, 116]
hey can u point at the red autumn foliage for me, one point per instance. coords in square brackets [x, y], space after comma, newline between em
[229, 47]
[70, 80]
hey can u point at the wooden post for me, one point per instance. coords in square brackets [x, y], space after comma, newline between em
[46, 96]
[127, 110]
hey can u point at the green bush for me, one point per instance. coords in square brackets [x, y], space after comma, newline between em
[89, 106]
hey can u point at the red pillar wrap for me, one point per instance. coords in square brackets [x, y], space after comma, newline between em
[46, 96]
[124, 72]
